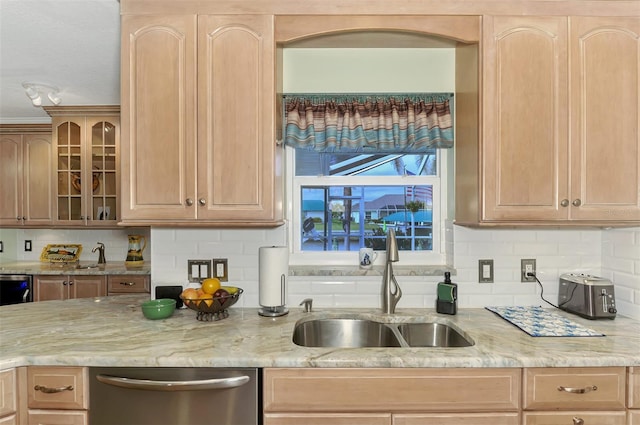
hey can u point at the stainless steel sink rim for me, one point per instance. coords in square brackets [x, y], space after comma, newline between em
[346, 332]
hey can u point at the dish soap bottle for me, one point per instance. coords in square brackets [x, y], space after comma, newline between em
[447, 302]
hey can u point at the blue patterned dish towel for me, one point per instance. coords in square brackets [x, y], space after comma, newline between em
[537, 321]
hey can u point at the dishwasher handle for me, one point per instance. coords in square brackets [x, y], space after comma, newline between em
[152, 385]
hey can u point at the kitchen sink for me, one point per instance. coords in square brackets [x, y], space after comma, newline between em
[361, 333]
[346, 333]
[433, 335]
[86, 267]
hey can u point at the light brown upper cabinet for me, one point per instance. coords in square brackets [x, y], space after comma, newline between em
[25, 175]
[85, 162]
[559, 141]
[198, 119]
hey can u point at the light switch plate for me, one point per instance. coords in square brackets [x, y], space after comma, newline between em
[485, 271]
[221, 269]
[198, 270]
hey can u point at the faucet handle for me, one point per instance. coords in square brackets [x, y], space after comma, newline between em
[308, 305]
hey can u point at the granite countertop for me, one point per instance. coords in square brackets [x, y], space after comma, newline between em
[85, 268]
[111, 331]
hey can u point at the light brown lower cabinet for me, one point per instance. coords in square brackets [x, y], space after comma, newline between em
[392, 396]
[505, 418]
[327, 419]
[575, 396]
[57, 417]
[128, 284]
[65, 287]
[575, 418]
[8, 397]
[57, 395]
[634, 417]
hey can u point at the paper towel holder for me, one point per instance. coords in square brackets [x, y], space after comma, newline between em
[279, 310]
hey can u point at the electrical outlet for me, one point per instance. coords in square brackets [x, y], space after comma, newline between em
[485, 271]
[27, 245]
[198, 270]
[220, 269]
[527, 266]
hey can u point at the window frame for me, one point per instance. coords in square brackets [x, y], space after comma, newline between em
[440, 184]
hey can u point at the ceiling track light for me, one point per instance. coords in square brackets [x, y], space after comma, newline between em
[35, 91]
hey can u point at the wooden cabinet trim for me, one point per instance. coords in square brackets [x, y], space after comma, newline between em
[290, 28]
[634, 388]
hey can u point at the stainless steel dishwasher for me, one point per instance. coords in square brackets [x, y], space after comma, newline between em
[174, 396]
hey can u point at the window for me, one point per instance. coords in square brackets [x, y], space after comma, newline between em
[342, 202]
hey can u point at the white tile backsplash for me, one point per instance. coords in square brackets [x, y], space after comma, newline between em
[115, 240]
[621, 264]
[556, 252]
[612, 253]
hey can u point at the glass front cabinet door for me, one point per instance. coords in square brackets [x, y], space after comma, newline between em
[85, 142]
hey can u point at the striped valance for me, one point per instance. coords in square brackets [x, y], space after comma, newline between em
[399, 123]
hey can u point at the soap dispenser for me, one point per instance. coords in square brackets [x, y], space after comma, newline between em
[447, 302]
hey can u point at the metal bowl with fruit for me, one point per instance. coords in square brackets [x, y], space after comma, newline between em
[211, 300]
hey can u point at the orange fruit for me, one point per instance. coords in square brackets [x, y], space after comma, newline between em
[210, 285]
[208, 299]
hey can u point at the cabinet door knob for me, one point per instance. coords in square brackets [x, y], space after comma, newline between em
[64, 283]
[577, 202]
[564, 203]
[71, 283]
[188, 202]
[202, 201]
[18, 218]
[578, 421]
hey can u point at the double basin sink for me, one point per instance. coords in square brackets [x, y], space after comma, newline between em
[355, 332]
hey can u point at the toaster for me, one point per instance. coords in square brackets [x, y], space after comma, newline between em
[588, 296]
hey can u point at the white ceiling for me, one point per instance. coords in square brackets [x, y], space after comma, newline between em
[71, 44]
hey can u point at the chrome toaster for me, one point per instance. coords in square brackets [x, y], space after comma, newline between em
[588, 296]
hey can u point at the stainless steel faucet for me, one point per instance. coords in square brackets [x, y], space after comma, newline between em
[391, 292]
[100, 249]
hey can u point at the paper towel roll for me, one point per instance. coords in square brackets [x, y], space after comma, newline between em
[273, 275]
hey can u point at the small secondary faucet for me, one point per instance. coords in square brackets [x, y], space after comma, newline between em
[100, 249]
[391, 292]
[308, 305]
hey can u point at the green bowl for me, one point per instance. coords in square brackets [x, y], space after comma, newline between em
[158, 309]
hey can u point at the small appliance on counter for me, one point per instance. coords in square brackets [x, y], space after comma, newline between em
[588, 296]
[447, 301]
[273, 274]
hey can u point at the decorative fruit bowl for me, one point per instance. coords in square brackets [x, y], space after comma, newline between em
[213, 308]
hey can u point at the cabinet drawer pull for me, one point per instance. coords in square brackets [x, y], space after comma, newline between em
[48, 390]
[578, 421]
[127, 283]
[577, 390]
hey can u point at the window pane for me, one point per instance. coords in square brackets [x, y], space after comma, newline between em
[332, 164]
[346, 218]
